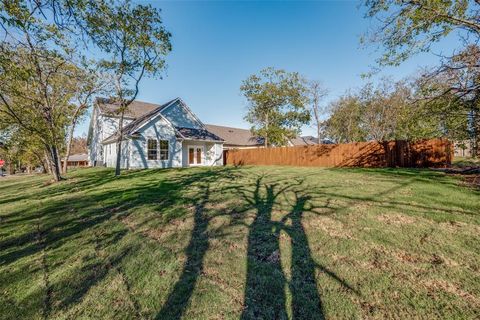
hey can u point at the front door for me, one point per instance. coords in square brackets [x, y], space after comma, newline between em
[195, 155]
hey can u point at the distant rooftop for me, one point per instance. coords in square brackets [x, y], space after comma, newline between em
[135, 109]
[78, 157]
[235, 137]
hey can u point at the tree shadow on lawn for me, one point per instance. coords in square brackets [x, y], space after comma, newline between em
[265, 296]
[81, 217]
[265, 283]
[178, 299]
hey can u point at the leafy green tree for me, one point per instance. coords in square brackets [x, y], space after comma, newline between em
[345, 122]
[277, 105]
[406, 27]
[135, 43]
[39, 71]
[397, 110]
[37, 86]
[89, 83]
[452, 97]
[19, 149]
[383, 108]
[41, 53]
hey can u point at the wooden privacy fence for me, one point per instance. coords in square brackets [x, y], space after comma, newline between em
[424, 153]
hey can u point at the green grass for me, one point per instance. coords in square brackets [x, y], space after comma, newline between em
[466, 162]
[249, 242]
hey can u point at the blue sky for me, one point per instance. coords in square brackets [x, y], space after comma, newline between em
[217, 44]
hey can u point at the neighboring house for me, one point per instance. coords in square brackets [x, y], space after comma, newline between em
[155, 136]
[236, 138]
[462, 148]
[77, 160]
[302, 141]
[308, 141]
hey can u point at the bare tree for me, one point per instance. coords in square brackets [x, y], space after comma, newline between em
[136, 43]
[317, 93]
[89, 84]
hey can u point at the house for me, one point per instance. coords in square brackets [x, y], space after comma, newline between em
[236, 138]
[462, 148]
[155, 136]
[308, 141]
[77, 160]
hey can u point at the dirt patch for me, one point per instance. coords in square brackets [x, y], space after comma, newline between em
[397, 219]
[434, 260]
[378, 258]
[173, 227]
[407, 257]
[332, 227]
[472, 180]
[435, 285]
[458, 226]
[470, 175]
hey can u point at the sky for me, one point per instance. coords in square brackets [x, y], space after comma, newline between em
[218, 44]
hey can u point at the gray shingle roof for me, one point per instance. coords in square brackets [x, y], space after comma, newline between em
[135, 109]
[235, 136]
[197, 134]
[78, 157]
[135, 124]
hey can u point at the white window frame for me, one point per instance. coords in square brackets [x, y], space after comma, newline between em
[202, 160]
[167, 149]
[156, 149]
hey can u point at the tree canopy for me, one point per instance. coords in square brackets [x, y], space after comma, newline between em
[396, 110]
[46, 86]
[406, 27]
[277, 104]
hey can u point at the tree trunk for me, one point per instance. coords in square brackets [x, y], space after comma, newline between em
[69, 146]
[48, 166]
[475, 133]
[70, 134]
[41, 161]
[119, 144]
[11, 168]
[318, 133]
[54, 163]
[266, 130]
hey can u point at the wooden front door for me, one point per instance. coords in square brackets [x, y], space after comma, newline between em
[195, 155]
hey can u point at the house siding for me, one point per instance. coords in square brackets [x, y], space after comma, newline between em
[134, 149]
[213, 154]
[179, 116]
[103, 127]
[158, 129]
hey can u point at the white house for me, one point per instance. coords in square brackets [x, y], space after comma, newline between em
[155, 136]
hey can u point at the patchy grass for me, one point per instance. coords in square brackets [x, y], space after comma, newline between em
[463, 162]
[250, 243]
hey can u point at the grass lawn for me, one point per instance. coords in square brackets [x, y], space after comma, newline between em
[230, 243]
[466, 162]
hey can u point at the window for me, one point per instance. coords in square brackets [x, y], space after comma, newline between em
[199, 155]
[163, 150]
[152, 149]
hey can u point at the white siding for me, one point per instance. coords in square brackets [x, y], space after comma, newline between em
[103, 127]
[95, 152]
[134, 151]
[180, 117]
[159, 129]
[213, 155]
